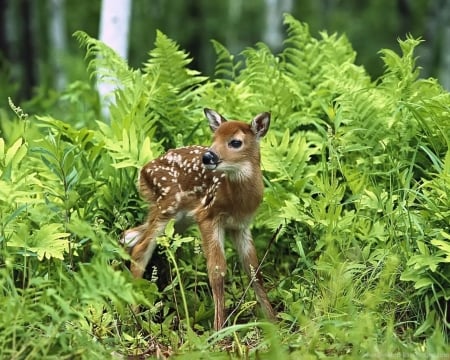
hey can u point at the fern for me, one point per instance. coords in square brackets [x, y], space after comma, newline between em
[175, 87]
[401, 70]
[289, 178]
[226, 69]
[104, 62]
[171, 64]
[132, 97]
[47, 242]
[297, 153]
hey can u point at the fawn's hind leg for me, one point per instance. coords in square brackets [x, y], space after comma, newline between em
[145, 242]
[132, 236]
[243, 241]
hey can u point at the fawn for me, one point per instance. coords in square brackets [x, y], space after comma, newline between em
[220, 188]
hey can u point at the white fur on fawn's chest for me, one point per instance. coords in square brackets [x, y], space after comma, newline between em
[234, 223]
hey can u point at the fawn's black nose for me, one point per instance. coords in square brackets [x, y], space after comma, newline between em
[210, 159]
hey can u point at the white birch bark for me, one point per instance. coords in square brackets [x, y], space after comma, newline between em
[114, 29]
[444, 66]
[234, 15]
[273, 32]
[58, 41]
[434, 53]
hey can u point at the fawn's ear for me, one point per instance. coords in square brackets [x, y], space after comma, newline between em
[260, 124]
[214, 119]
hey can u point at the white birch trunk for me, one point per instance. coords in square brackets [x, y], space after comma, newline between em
[444, 66]
[234, 15]
[114, 29]
[273, 32]
[58, 41]
[434, 53]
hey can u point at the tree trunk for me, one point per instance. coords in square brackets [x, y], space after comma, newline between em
[434, 54]
[3, 28]
[115, 24]
[234, 16]
[273, 32]
[444, 63]
[58, 41]
[114, 29]
[21, 36]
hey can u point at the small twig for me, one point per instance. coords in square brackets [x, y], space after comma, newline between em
[253, 278]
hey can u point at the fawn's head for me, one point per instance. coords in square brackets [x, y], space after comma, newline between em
[235, 147]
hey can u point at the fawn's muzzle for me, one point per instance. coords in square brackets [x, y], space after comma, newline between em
[210, 160]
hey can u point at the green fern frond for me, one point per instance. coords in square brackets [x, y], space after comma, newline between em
[130, 108]
[131, 150]
[225, 69]
[263, 77]
[402, 69]
[298, 35]
[175, 89]
[171, 64]
[49, 241]
[294, 170]
[299, 46]
[310, 63]
[104, 62]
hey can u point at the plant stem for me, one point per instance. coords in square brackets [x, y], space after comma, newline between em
[183, 296]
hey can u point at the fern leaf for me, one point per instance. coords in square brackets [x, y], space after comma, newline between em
[47, 242]
[225, 67]
[296, 153]
[104, 62]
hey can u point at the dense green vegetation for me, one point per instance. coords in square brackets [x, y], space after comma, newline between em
[357, 179]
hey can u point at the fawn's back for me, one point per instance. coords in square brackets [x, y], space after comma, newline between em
[179, 184]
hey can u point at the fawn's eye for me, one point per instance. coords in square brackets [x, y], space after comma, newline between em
[235, 144]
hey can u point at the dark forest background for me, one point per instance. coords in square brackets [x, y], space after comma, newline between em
[39, 54]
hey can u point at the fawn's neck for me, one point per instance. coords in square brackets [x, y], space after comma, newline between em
[241, 193]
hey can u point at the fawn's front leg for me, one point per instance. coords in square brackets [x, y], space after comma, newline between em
[213, 235]
[243, 241]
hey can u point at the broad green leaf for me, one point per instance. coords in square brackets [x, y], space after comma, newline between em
[47, 242]
[423, 282]
[2, 149]
[13, 153]
[444, 246]
[146, 153]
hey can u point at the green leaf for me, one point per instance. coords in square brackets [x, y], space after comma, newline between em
[2, 149]
[15, 153]
[423, 282]
[444, 246]
[47, 242]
